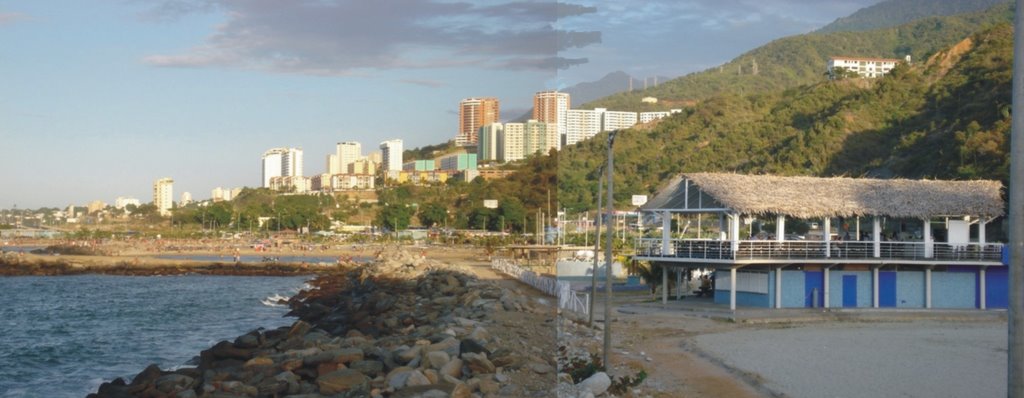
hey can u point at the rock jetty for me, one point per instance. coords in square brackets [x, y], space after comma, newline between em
[402, 326]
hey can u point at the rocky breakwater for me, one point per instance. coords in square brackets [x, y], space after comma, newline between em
[403, 326]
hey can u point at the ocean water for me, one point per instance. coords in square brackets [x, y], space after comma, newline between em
[63, 336]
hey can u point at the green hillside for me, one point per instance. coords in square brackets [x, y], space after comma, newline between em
[948, 117]
[898, 12]
[800, 60]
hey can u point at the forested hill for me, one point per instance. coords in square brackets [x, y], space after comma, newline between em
[897, 12]
[946, 118]
[800, 60]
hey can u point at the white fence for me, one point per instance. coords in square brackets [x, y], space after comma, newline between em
[567, 298]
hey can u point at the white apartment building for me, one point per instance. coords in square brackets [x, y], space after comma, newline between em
[332, 166]
[540, 137]
[864, 67]
[121, 202]
[163, 195]
[487, 141]
[391, 155]
[616, 120]
[352, 181]
[511, 142]
[581, 124]
[348, 152]
[186, 199]
[220, 194]
[281, 162]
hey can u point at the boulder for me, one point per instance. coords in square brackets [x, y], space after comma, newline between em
[437, 359]
[471, 346]
[478, 363]
[416, 378]
[453, 368]
[597, 383]
[340, 381]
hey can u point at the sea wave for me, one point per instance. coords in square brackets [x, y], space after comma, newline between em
[275, 300]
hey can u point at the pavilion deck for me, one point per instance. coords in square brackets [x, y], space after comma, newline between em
[792, 251]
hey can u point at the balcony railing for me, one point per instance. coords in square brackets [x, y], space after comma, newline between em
[817, 250]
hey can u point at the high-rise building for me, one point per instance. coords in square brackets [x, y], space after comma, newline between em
[551, 107]
[163, 195]
[539, 137]
[332, 166]
[348, 152]
[281, 162]
[581, 124]
[487, 145]
[474, 113]
[391, 155]
[510, 142]
[186, 198]
[122, 201]
[615, 120]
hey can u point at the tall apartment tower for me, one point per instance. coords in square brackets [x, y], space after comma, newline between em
[163, 195]
[487, 145]
[348, 153]
[391, 155]
[473, 114]
[281, 162]
[551, 107]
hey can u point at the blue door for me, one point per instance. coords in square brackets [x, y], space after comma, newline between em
[887, 289]
[849, 290]
[997, 292]
[812, 280]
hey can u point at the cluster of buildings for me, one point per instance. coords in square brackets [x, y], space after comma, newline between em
[345, 169]
[552, 126]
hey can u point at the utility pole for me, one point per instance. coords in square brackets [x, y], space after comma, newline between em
[597, 247]
[608, 255]
[1015, 322]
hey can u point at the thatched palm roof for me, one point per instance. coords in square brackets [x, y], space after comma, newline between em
[814, 197]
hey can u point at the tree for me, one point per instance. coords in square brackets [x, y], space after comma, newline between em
[395, 216]
[513, 212]
[432, 214]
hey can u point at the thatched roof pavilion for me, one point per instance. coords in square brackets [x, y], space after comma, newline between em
[814, 197]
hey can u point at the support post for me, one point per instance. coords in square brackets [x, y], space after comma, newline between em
[827, 233]
[824, 284]
[874, 287]
[608, 258]
[929, 244]
[876, 235]
[666, 233]
[981, 288]
[679, 283]
[780, 228]
[778, 287]
[734, 233]
[981, 231]
[664, 285]
[928, 287]
[732, 289]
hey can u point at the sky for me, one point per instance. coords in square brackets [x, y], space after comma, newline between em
[99, 98]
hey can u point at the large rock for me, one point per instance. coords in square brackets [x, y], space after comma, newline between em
[437, 359]
[347, 355]
[173, 383]
[478, 363]
[597, 383]
[453, 368]
[343, 380]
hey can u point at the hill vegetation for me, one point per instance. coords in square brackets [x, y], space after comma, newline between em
[801, 60]
[946, 118]
[898, 12]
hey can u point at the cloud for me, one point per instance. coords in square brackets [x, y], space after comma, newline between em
[424, 82]
[8, 18]
[322, 37]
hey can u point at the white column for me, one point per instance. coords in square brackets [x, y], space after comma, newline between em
[664, 285]
[825, 287]
[666, 233]
[928, 287]
[723, 227]
[876, 235]
[828, 237]
[929, 245]
[732, 289]
[778, 287]
[981, 231]
[874, 287]
[679, 283]
[780, 228]
[734, 232]
[981, 288]
[857, 238]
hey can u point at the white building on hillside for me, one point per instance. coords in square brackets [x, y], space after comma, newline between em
[511, 142]
[281, 162]
[163, 195]
[391, 155]
[864, 67]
